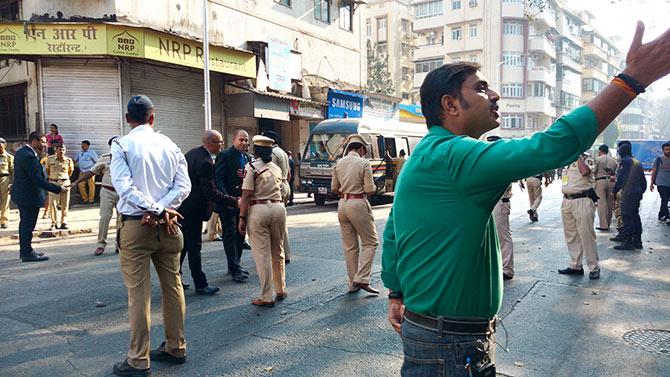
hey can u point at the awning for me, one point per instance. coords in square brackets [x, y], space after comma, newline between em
[271, 105]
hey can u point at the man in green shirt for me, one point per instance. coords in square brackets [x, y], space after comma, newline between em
[441, 260]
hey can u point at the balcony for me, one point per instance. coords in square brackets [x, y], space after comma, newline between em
[594, 73]
[418, 79]
[545, 18]
[542, 74]
[540, 43]
[570, 62]
[591, 49]
[428, 51]
[513, 10]
[429, 23]
[540, 105]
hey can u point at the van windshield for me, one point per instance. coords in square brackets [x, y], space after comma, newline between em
[325, 147]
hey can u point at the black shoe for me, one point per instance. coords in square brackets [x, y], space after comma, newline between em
[287, 261]
[571, 271]
[637, 244]
[595, 274]
[240, 277]
[530, 214]
[123, 369]
[603, 229]
[63, 226]
[185, 285]
[246, 246]
[38, 253]
[242, 270]
[618, 238]
[507, 277]
[159, 354]
[626, 245]
[207, 291]
[34, 257]
[3, 226]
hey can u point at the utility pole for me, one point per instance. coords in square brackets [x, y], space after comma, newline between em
[205, 48]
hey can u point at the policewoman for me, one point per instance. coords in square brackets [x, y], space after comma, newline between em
[263, 217]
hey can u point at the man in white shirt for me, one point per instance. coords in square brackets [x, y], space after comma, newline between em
[150, 175]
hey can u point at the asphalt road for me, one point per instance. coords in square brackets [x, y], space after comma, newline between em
[68, 316]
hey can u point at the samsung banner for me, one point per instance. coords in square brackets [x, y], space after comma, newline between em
[343, 104]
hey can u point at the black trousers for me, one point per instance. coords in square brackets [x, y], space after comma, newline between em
[192, 231]
[630, 212]
[27, 221]
[232, 239]
[664, 191]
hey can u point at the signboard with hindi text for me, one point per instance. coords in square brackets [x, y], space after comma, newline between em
[95, 39]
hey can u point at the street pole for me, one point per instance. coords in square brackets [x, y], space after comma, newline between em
[205, 48]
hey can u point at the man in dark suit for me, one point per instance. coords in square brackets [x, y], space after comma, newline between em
[229, 171]
[27, 194]
[198, 206]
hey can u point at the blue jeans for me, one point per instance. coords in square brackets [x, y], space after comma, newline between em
[429, 355]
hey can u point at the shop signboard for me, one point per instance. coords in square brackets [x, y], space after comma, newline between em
[279, 62]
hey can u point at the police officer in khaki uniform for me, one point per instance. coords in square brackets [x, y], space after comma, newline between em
[280, 158]
[501, 214]
[578, 212]
[6, 176]
[263, 216]
[534, 185]
[606, 167]
[352, 179]
[59, 169]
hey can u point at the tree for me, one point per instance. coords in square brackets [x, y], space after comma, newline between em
[661, 117]
[379, 79]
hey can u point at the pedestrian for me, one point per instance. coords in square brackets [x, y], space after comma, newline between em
[578, 211]
[400, 161]
[280, 158]
[632, 183]
[108, 197]
[59, 168]
[150, 175]
[444, 277]
[660, 176]
[606, 167]
[263, 216]
[54, 137]
[228, 173]
[501, 214]
[43, 162]
[85, 160]
[534, 185]
[352, 181]
[6, 177]
[197, 207]
[27, 193]
[291, 181]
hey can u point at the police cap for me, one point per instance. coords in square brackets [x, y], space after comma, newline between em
[262, 141]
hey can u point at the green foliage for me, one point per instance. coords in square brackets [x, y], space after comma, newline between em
[379, 79]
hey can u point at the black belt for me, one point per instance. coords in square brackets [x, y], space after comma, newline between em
[504, 200]
[58, 179]
[131, 217]
[584, 194]
[452, 325]
[5, 175]
[538, 176]
[597, 179]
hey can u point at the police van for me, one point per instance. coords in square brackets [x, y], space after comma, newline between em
[385, 138]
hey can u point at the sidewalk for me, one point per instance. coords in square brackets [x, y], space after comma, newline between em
[83, 221]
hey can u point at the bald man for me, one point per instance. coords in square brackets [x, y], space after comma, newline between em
[198, 206]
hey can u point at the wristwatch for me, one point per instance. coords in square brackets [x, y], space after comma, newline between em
[395, 295]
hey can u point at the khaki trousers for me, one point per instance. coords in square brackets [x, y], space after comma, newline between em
[534, 187]
[4, 199]
[267, 223]
[108, 200]
[578, 216]
[213, 227]
[617, 211]
[605, 202]
[90, 185]
[356, 220]
[285, 195]
[139, 246]
[501, 214]
[64, 199]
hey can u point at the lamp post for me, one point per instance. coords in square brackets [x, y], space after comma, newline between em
[205, 49]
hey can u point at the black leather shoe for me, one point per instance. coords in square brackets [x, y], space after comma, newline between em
[246, 246]
[63, 226]
[624, 246]
[507, 277]
[595, 274]
[530, 214]
[3, 226]
[571, 271]
[366, 287]
[207, 291]
[240, 277]
[185, 285]
[160, 354]
[637, 245]
[287, 261]
[123, 369]
[242, 270]
[34, 257]
[617, 238]
[603, 229]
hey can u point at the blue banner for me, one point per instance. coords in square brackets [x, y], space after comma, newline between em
[343, 104]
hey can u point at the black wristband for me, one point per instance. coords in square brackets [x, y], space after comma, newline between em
[632, 83]
[395, 295]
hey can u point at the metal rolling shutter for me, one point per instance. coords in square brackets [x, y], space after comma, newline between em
[82, 97]
[178, 99]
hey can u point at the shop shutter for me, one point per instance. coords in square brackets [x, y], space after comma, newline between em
[82, 97]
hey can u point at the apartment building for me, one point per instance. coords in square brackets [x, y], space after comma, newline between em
[388, 25]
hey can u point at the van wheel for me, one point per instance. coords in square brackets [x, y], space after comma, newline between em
[319, 199]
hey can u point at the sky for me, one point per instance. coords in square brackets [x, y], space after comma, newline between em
[619, 17]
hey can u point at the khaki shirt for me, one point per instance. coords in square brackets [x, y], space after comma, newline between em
[280, 158]
[605, 162]
[59, 169]
[263, 179]
[400, 162]
[7, 164]
[574, 182]
[102, 168]
[508, 193]
[352, 175]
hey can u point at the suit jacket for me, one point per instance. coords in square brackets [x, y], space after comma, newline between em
[29, 180]
[225, 173]
[198, 205]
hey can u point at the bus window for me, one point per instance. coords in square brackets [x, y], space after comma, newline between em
[326, 147]
[389, 146]
[402, 144]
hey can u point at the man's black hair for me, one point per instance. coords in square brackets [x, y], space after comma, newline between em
[353, 146]
[86, 142]
[665, 145]
[402, 152]
[445, 80]
[34, 136]
[604, 148]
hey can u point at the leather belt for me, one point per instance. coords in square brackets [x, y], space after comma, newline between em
[131, 217]
[264, 201]
[58, 180]
[504, 200]
[576, 196]
[452, 325]
[110, 188]
[352, 196]
[597, 179]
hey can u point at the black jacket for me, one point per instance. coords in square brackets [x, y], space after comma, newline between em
[29, 180]
[199, 203]
[630, 177]
[225, 173]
